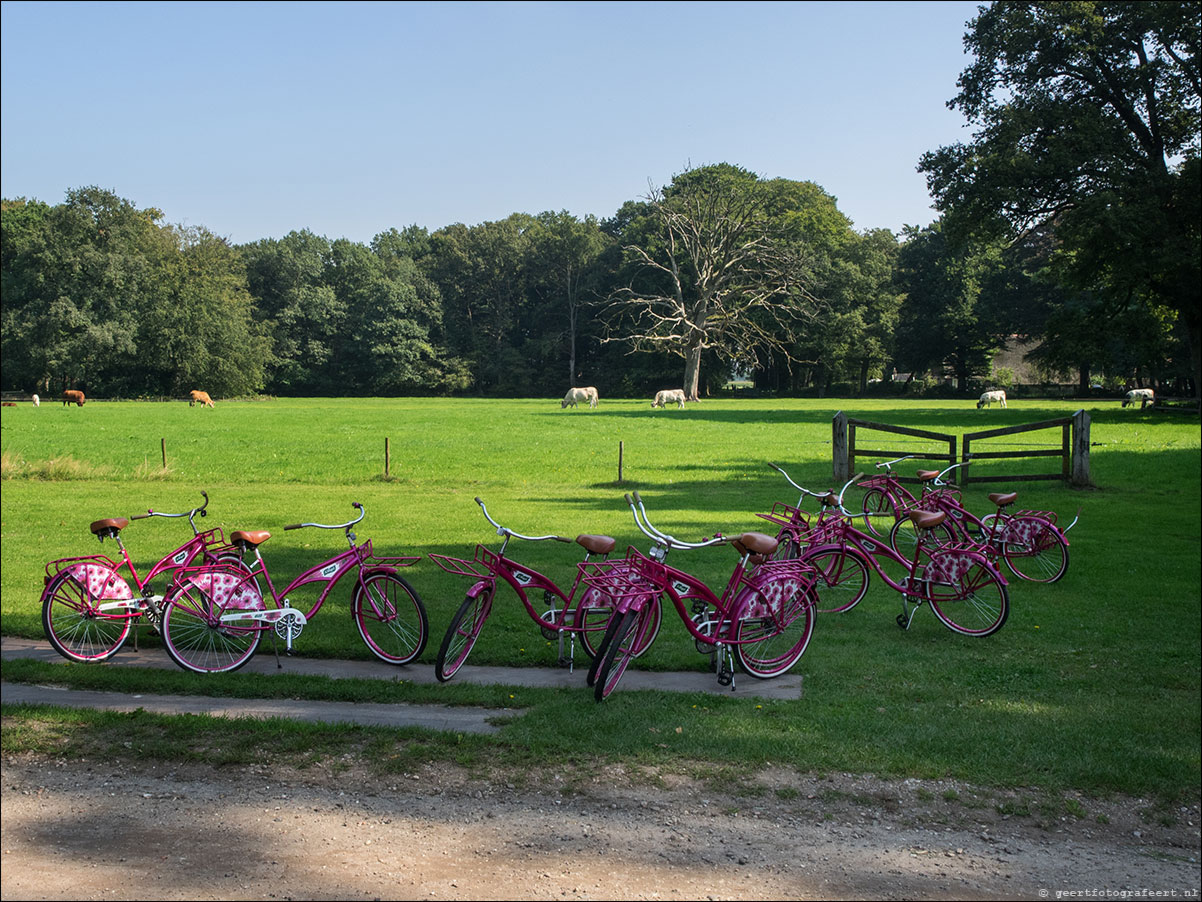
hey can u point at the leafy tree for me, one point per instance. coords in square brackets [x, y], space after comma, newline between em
[562, 272]
[940, 322]
[480, 274]
[716, 269]
[1087, 117]
[100, 295]
[287, 277]
[854, 336]
[205, 334]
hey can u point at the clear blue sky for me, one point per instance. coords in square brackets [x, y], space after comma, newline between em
[255, 119]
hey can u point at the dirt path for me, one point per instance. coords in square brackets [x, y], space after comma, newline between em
[89, 830]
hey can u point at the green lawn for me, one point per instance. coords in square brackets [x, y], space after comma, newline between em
[1092, 685]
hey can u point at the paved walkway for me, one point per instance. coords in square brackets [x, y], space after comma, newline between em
[435, 717]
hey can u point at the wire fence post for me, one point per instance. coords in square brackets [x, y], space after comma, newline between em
[386, 457]
[163, 445]
[620, 449]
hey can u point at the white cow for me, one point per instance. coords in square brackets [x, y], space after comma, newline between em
[989, 397]
[667, 396]
[1143, 395]
[37, 402]
[579, 396]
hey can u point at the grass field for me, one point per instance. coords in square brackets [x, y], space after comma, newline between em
[1092, 685]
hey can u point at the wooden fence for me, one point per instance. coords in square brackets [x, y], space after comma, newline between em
[1073, 449]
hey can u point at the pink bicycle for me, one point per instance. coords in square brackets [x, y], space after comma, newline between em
[959, 581]
[764, 617]
[1031, 543]
[89, 608]
[215, 617]
[795, 525]
[580, 612]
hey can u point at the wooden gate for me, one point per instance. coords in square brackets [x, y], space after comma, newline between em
[1073, 448]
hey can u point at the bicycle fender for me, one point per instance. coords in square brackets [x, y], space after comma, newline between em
[953, 563]
[99, 581]
[378, 570]
[479, 589]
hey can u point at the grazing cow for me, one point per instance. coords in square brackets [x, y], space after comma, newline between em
[72, 396]
[1144, 395]
[667, 396]
[989, 397]
[202, 397]
[37, 402]
[579, 396]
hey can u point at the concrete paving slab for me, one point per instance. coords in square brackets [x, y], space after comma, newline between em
[430, 717]
[788, 686]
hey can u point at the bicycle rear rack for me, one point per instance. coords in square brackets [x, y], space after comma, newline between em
[631, 577]
[479, 567]
[786, 515]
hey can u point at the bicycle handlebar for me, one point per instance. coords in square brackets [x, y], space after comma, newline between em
[189, 514]
[789, 479]
[843, 491]
[888, 464]
[506, 531]
[655, 535]
[347, 525]
[938, 480]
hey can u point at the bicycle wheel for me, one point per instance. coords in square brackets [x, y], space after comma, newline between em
[767, 649]
[975, 603]
[592, 623]
[628, 635]
[842, 579]
[903, 537]
[877, 501]
[197, 640]
[1035, 550]
[76, 630]
[391, 618]
[462, 634]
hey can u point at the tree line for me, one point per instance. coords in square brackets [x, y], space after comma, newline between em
[1069, 222]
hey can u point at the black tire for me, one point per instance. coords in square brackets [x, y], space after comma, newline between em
[75, 629]
[765, 649]
[390, 617]
[877, 501]
[196, 639]
[1035, 550]
[592, 625]
[976, 604]
[462, 634]
[629, 636]
[842, 580]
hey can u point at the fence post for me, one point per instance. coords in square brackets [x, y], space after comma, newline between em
[839, 447]
[1080, 478]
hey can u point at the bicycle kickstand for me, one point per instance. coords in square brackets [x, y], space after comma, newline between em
[726, 666]
[907, 614]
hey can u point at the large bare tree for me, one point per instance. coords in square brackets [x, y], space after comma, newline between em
[718, 269]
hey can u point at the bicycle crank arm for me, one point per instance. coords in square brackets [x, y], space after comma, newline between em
[288, 622]
[272, 616]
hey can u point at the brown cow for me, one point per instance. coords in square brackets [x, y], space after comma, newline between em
[202, 397]
[71, 395]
